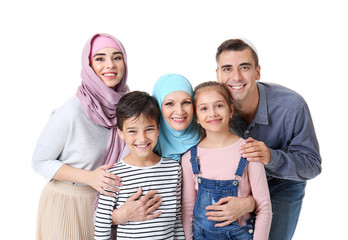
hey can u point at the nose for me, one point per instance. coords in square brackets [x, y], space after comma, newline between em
[236, 75]
[180, 109]
[110, 64]
[141, 136]
[212, 112]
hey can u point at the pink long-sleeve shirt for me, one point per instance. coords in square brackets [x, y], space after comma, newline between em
[221, 164]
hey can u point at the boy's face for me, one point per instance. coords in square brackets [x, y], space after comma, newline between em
[140, 136]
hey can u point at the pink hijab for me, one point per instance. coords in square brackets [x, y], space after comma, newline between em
[98, 100]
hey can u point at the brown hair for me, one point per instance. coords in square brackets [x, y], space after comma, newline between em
[224, 92]
[236, 45]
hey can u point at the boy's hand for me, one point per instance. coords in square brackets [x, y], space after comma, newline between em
[135, 209]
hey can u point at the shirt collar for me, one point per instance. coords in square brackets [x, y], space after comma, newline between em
[262, 109]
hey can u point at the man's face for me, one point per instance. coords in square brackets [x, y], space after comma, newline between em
[236, 69]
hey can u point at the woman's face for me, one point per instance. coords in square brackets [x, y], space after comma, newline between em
[108, 64]
[177, 110]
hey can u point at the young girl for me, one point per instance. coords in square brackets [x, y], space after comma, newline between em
[214, 169]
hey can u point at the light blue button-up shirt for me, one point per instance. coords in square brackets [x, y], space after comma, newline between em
[283, 122]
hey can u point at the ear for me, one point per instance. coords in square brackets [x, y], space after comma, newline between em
[217, 75]
[232, 110]
[120, 133]
[258, 70]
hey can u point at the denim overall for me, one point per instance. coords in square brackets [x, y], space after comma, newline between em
[210, 192]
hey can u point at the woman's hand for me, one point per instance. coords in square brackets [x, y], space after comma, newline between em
[135, 209]
[229, 209]
[100, 179]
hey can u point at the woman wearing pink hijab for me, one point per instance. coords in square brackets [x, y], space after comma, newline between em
[80, 142]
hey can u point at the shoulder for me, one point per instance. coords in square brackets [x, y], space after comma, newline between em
[70, 109]
[282, 96]
[170, 162]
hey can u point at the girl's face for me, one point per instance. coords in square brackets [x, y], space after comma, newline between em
[212, 110]
[177, 110]
[108, 64]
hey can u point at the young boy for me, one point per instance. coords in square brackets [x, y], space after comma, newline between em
[138, 125]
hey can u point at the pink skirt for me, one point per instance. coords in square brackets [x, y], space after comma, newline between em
[65, 212]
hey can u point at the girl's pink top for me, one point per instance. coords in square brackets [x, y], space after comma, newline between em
[221, 164]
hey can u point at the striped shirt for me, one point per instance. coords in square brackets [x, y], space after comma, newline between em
[165, 177]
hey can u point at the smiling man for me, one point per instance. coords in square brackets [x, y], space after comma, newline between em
[279, 130]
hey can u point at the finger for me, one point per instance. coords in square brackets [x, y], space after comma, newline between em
[111, 188]
[214, 208]
[153, 216]
[223, 201]
[112, 182]
[112, 176]
[218, 219]
[148, 195]
[136, 195]
[152, 201]
[153, 207]
[223, 224]
[249, 139]
[106, 193]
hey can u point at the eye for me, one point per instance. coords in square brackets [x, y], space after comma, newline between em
[132, 132]
[150, 129]
[99, 59]
[169, 104]
[219, 105]
[245, 67]
[187, 102]
[203, 109]
[228, 69]
[119, 57]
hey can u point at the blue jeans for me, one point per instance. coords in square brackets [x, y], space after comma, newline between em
[286, 198]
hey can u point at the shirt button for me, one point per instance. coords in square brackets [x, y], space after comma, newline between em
[199, 180]
[251, 231]
[247, 131]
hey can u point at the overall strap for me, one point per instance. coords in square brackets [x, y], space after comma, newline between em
[241, 166]
[194, 160]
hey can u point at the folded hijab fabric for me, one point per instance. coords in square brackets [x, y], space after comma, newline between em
[172, 143]
[98, 100]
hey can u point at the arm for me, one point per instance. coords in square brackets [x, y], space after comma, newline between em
[100, 179]
[259, 189]
[299, 159]
[178, 228]
[63, 142]
[188, 195]
[103, 218]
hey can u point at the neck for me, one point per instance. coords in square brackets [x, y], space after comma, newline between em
[142, 162]
[219, 139]
[248, 108]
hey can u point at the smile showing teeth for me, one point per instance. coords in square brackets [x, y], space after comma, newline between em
[237, 87]
[178, 119]
[109, 74]
[142, 146]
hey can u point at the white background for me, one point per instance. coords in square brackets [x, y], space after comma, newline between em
[301, 44]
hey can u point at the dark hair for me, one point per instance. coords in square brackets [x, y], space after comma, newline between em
[224, 92]
[235, 45]
[135, 104]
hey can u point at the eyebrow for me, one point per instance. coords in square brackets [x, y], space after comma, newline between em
[103, 54]
[242, 64]
[218, 101]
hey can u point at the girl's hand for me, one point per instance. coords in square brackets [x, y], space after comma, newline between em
[100, 179]
[135, 209]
